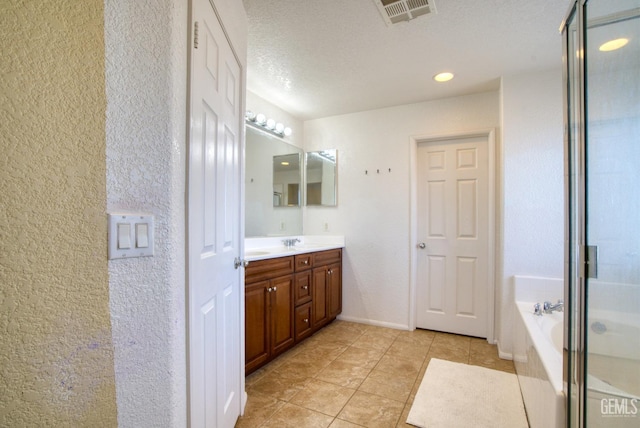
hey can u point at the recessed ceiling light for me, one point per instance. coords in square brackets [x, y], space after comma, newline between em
[443, 77]
[284, 163]
[612, 45]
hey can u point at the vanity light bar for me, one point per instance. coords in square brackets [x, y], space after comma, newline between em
[326, 155]
[269, 125]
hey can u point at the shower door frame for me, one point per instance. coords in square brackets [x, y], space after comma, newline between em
[575, 221]
[578, 267]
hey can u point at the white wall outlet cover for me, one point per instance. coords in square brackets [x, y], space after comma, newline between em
[130, 235]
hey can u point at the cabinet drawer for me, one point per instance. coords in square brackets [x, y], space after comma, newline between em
[327, 257]
[303, 321]
[259, 270]
[303, 262]
[302, 289]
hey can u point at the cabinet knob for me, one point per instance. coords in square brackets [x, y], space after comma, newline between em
[306, 262]
[306, 320]
[305, 287]
[269, 290]
[275, 288]
[329, 272]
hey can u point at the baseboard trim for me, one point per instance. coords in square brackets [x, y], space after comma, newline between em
[502, 354]
[373, 322]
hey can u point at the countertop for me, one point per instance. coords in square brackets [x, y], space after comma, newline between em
[272, 247]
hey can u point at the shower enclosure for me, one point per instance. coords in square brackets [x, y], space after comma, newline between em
[602, 280]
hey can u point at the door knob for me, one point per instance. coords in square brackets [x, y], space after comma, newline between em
[422, 245]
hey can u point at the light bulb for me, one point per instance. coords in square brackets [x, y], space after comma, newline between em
[279, 128]
[249, 115]
[261, 119]
[271, 123]
[287, 131]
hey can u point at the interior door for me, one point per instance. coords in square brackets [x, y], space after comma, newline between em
[214, 191]
[453, 232]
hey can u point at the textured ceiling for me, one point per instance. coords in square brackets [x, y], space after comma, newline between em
[317, 58]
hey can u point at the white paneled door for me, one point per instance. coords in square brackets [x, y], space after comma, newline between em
[214, 191]
[453, 236]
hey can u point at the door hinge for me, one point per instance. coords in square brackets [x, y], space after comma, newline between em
[195, 35]
[237, 262]
[589, 261]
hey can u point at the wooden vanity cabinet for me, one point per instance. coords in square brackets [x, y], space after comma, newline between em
[269, 316]
[281, 296]
[303, 322]
[334, 280]
[302, 296]
[327, 287]
[287, 299]
[256, 324]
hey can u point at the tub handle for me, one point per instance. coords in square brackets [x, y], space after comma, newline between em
[537, 310]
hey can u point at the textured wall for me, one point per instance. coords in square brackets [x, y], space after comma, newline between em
[146, 69]
[55, 350]
[146, 86]
[533, 225]
[530, 206]
[373, 209]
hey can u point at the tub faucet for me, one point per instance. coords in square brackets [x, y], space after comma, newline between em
[290, 242]
[549, 307]
[537, 310]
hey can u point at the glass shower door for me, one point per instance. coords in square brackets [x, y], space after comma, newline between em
[611, 319]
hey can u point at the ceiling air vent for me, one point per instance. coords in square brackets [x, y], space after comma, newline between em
[394, 11]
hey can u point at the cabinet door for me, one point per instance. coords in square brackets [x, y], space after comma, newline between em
[334, 280]
[319, 312]
[281, 298]
[303, 321]
[256, 320]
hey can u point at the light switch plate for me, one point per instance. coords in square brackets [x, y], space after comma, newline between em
[140, 239]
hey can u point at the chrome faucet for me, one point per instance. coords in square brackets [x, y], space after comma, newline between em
[290, 242]
[537, 310]
[548, 307]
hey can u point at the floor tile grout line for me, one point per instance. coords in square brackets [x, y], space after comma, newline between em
[451, 347]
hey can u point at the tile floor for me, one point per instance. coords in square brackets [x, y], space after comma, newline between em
[354, 375]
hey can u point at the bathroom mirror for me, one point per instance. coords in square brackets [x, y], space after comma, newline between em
[286, 180]
[321, 177]
[265, 176]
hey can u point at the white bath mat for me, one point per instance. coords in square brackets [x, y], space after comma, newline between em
[461, 395]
